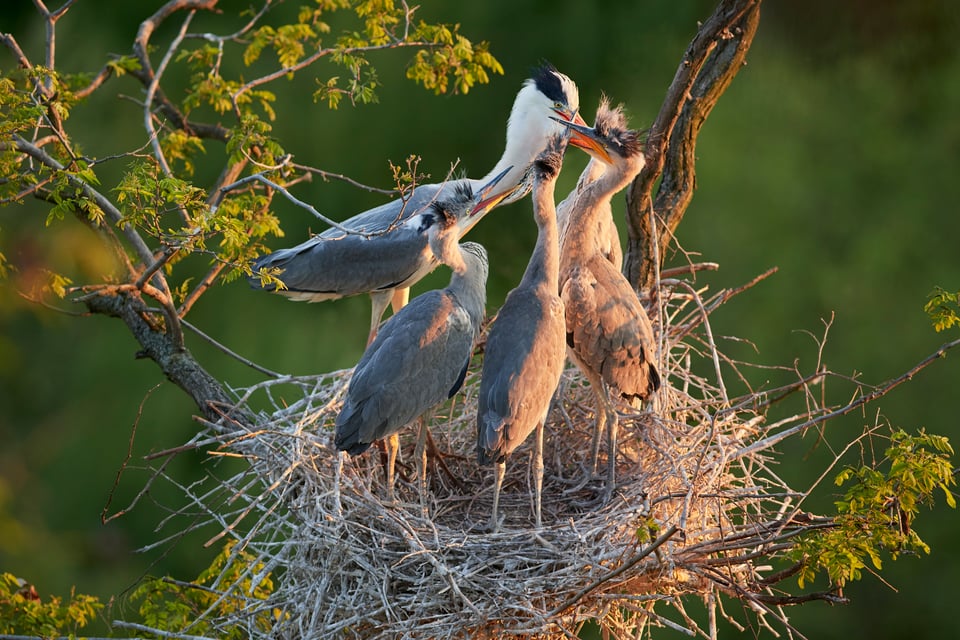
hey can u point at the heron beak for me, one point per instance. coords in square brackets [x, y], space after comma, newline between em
[484, 201]
[587, 139]
[574, 117]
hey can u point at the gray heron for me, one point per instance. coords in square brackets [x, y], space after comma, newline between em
[386, 250]
[607, 233]
[525, 349]
[608, 333]
[419, 357]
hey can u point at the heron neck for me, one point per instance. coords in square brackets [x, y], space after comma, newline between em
[527, 132]
[544, 264]
[469, 286]
[590, 173]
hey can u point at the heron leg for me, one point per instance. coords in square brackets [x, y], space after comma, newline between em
[500, 469]
[338, 474]
[600, 424]
[422, 465]
[613, 425]
[378, 304]
[538, 475]
[393, 446]
[400, 298]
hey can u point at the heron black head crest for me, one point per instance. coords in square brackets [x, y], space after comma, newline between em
[444, 210]
[609, 118]
[548, 81]
[463, 191]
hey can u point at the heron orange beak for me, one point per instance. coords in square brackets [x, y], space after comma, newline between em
[575, 117]
[587, 139]
[484, 201]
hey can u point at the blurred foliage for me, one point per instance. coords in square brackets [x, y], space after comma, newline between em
[23, 611]
[833, 156]
[172, 605]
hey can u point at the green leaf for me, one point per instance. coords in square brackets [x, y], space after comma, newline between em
[943, 308]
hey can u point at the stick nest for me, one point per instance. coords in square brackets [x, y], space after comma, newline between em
[695, 510]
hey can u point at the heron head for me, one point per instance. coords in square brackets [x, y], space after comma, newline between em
[560, 91]
[609, 137]
[550, 160]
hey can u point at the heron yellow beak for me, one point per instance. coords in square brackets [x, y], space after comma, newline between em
[587, 139]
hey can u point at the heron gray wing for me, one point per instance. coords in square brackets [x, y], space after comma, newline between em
[524, 352]
[411, 366]
[391, 213]
[351, 264]
[608, 329]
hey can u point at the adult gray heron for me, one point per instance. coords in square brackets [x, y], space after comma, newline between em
[524, 354]
[386, 250]
[608, 332]
[419, 357]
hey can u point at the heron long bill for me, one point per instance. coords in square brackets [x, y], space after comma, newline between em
[587, 139]
[485, 201]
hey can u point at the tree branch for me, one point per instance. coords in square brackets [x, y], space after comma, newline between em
[174, 360]
[712, 60]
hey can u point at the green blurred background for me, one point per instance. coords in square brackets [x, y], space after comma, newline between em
[833, 156]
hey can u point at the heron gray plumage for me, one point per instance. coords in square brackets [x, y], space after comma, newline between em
[420, 356]
[386, 250]
[607, 118]
[608, 333]
[524, 354]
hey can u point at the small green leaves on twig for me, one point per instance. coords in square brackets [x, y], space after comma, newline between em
[454, 56]
[877, 511]
[943, 307]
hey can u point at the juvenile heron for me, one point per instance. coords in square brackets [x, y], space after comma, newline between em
[608, 332]
[334, 264]
[607, 118]
[419, 358]
[524, 355]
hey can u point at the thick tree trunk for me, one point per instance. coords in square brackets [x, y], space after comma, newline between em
[711, 61]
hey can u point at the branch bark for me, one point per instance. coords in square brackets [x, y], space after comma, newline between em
[710, 63]
[176, 362]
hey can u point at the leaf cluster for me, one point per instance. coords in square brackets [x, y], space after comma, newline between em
[171, 605]
[943, 307]
[23, 612]
[875, 516]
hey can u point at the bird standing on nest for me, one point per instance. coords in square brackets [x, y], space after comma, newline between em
[524, 355]
[608, 332]
[420, 356]
[387, 251]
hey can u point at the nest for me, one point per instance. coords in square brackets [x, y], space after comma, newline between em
[695, 512]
